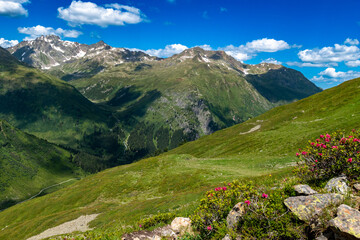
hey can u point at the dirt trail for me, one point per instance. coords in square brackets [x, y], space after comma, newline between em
[80, 224]
[257, 127]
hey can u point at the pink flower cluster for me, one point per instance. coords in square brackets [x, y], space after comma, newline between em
[264, 195]
[209, 228]
[247, 202]
[220, 188]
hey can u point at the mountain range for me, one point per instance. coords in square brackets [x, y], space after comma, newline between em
[196, 92]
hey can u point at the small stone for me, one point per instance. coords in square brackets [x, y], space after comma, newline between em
[227, 237]
[347, 223]
[235, 214]
[337, 185]
[357, 187]
[304, 190]
[307, 207]
[181, 226]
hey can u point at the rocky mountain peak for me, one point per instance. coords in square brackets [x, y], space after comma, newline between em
[47, 52]
[48, 38]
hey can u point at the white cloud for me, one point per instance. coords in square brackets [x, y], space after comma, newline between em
[351, 41]
[267, 45]
[309, 64]
[80, 13]
[250, 49]
[39, 30]
[13, 8]
[338, 53]
[168, 51]
[206, 47]
[272, 60]
[7, 43]
[355, 63]
[330, 75]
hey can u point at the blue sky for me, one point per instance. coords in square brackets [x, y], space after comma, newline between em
[318, 38]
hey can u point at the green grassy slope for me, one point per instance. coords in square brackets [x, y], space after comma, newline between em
[28, 164]
[285, 127]
[43, 105]
[173, 182]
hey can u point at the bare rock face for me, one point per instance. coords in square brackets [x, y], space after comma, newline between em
[181, 226]
[347, 223]
[235, 214]
[337, 185]
[304, 190]
[308, 207]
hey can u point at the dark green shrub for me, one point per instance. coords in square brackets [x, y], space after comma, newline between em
[330, 156]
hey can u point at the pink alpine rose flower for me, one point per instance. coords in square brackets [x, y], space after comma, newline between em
[264, 195]
[328, 136]
[209, 228]
[350, 160]
[247, 202]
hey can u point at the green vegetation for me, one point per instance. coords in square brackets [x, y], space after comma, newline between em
[45, 106]
[284, 84]
[176, 180]
[29, 164]
[51, 109]
[156, 219]
[330, 156]
[264, 214]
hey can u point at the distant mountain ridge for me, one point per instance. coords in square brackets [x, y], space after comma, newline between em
[50, 51]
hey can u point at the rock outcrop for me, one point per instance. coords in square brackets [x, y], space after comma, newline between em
[307, 208]
[337, 185]
[235, 214]
[181, 226]
[347, 223]
[304, 190]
